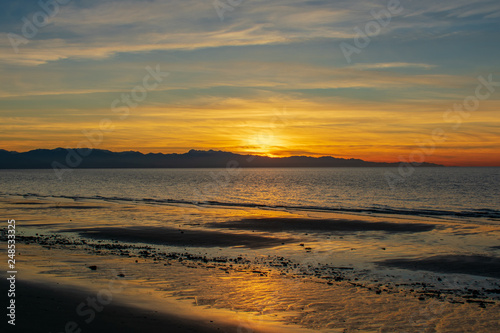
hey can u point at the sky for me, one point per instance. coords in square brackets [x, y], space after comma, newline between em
[378, 80]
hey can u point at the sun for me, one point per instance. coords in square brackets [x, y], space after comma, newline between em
[265, 144]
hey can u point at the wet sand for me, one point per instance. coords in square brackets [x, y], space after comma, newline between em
[348, 275]
[180, 237]
[460, 264]
[318, 225]
[340, 306]
[51, 307]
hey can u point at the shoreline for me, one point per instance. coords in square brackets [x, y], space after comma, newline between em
[51, 298]
[54, 307]
[328, 279]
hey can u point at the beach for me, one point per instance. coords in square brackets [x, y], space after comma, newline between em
[244, 269]
[50, 307]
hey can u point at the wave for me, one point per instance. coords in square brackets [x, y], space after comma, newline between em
[473, 213]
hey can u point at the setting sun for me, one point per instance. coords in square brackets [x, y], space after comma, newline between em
[264, 143]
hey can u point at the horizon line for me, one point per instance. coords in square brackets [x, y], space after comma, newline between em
[247, 154]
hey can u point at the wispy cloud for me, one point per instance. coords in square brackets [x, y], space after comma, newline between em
[103, 29]
[238, 74]
[392, 65]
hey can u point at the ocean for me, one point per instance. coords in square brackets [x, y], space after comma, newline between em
[470, 194]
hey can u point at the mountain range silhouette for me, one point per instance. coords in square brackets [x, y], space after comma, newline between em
[98, 158]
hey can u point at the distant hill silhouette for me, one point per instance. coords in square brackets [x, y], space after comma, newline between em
[98, 158]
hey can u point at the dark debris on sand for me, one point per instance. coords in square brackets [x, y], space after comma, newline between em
[265, 266]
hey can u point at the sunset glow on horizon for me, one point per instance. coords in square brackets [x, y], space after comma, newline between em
[266, 79]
